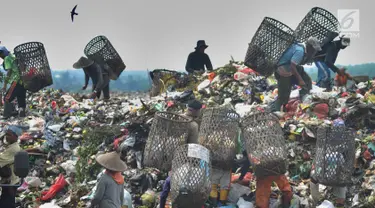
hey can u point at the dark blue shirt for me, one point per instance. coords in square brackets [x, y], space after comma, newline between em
[197, 61]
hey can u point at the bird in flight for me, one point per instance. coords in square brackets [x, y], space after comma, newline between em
[73, 12]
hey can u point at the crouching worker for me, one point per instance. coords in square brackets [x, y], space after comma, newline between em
[8, 194]
[16, 88]
[341, 79]
[287, 70]
[110, 189]
[99, 76]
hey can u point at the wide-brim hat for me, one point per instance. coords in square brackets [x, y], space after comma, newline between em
[201, 43]
[111, 161]
[83, 62]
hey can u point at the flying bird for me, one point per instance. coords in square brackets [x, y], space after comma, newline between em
[73, 12]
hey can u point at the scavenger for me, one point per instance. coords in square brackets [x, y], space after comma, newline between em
[198, 60]
[16, 89]
[99, 76]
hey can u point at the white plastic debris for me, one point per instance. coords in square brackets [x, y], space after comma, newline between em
[326, 204]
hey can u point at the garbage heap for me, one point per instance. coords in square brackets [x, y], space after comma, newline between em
[63, 133]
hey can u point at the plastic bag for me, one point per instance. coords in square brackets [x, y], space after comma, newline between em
[326, 204]
[244, 204]
[236, 191]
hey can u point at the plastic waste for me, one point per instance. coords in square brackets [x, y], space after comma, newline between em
[244, 204]
[326, 204]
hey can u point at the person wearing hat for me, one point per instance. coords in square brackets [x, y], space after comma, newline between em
[99, 76]
[16, 89]
[326, 58]
[289, 65]
[110, 189]
[8, 194]
[198, 60]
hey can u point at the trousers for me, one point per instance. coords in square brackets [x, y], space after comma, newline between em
[263, 191]
[8, 197]
[16, 90]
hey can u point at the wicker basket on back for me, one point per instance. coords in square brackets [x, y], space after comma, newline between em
[168, 131]
[265, 144]
[267, 46]
[318, 23]
[190, 176]
[334, 158]
[100, 50]
[218, 132]
[33, 64]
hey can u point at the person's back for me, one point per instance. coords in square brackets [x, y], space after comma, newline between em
[113, 193]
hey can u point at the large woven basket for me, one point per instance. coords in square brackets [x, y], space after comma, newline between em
[265, 143]
[218, 133]
[318, 23]
[267, 46]
[168, 131]
[334, 158]
[33, 65]
[190, 176]
[100, 50]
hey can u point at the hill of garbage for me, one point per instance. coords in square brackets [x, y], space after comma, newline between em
[64, 132]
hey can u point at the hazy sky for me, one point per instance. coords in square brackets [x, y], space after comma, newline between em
[161, 33]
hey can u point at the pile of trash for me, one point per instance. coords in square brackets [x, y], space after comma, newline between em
[63, 133]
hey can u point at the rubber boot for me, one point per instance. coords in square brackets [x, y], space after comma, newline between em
[8, 110]
[224, 196]
[22, 113]
[213, 195]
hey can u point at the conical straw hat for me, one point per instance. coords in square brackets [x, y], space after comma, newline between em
[111, 161]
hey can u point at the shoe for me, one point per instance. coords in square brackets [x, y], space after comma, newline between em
[22, 113]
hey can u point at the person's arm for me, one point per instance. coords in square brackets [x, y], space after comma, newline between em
[188, 64]
[8, 63]
[297, 58]
[164, 194]
[87, 78]
[208, 63]
[99, 193]
[7, 157]
[349, 76]
[329, 59]
[244, 166]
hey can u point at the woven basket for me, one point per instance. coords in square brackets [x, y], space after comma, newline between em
[218, 133]
[269, 43]
[318, 23]
[265, 144]
[191, 173]
[33, 65]
[334, 157]
[100, 50]
[168, 131]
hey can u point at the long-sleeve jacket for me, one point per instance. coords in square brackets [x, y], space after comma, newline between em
[197, 61]
[109, 194]
[7, 157]
[329, 54]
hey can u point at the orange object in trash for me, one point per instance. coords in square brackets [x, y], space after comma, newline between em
[246, 179]
[211, 76]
